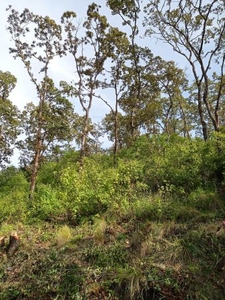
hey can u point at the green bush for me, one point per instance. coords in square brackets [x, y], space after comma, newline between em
[177, 169]
[48, 203]
[206, 200]
[213, 161]
[94, 188]
[14, 206]
[13, 195]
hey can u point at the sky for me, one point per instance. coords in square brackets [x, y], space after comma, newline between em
[24, 91]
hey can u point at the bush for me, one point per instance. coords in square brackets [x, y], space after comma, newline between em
[206, 200]
[14, 207]
[13, 195]
[94, 189]
[48, 203]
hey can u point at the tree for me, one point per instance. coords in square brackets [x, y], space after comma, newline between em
[195, 31]
[58, 127]
[141, 99]
[150, 88]
[140, 94]
[118, 45]
[176, 110]
[9, 118]
[129, 13]
[89, 54]
[46, 45]
[115, 126]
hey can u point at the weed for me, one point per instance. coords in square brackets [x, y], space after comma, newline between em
[114, 255]
[63, 236]
[129, 282]
[99, 231]
[71, 282]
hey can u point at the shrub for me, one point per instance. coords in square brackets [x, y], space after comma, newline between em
[48, 203]
[171, 164]
[99, 231]
[206, 200]
[96, 188]
[13, 195]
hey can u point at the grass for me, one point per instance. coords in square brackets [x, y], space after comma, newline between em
[174, 255]
[63, 236]
[99, 230]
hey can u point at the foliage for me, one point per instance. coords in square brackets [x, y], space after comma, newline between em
[213, 161]
[195, 31]
[95, 188]
[58, 126]
[48, 203]
[170, 164]
[13, 195]
[9, 118]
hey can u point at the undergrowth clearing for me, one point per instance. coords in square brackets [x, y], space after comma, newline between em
[121, 258]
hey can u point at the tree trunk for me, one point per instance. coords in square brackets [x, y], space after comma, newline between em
[115, 150]
[38, 146]
[201, 115]
[83, 148]
[35, 164]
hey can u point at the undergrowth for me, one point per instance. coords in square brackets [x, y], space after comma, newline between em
[151, 228]
[133, 258]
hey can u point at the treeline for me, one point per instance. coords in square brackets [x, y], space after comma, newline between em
[149, 96]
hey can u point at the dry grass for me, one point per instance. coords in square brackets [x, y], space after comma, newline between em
[99, 231]
[63, 236]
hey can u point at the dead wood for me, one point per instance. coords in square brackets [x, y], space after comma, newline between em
[2, 241]
[14, 242]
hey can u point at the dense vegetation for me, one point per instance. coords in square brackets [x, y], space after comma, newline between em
[143, 219]
[151, 228]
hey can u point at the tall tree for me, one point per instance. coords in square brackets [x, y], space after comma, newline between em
[150, 94]
[162, 106]
[142, 108]
[195, 30]
[89, 54]
[118, 47]
[140, 98]
[9, 118]
[45, 37]
[128, 11]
